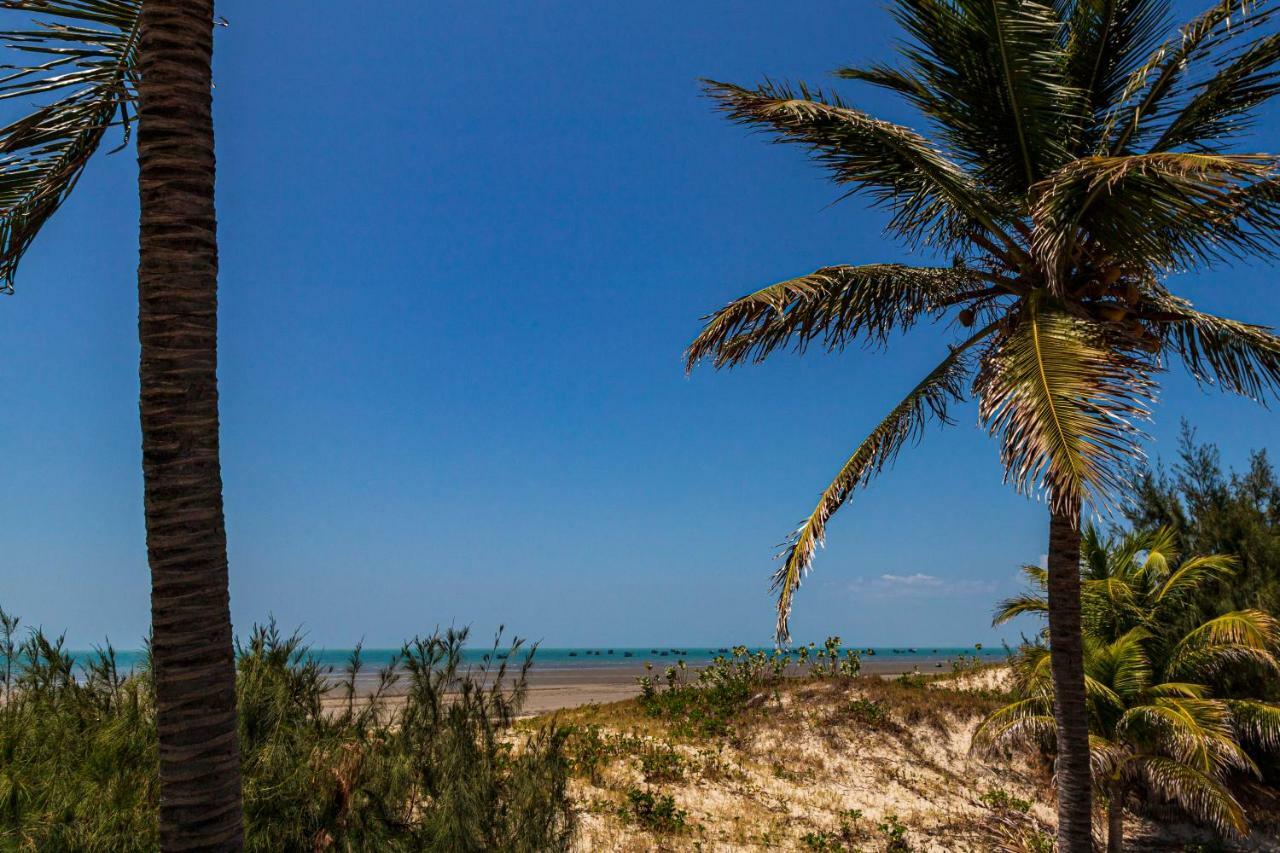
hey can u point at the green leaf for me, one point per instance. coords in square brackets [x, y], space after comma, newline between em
[1061, 398]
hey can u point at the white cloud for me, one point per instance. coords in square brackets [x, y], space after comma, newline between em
[920, 585]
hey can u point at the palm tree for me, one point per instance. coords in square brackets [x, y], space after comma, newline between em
[100, 58]
[1080, 154]
[1154, 718]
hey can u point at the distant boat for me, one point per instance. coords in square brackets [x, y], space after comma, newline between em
[626, 654]
[573, 654]
[610, 651]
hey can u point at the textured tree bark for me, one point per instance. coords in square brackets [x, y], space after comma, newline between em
[200, 806]
[1115, 820]
[1075, 806]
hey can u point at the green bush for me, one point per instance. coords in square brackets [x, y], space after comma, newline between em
[439, 768]
[726, 686]
[654, 812]
[661, 762]
[1000, 800]
[869, 712]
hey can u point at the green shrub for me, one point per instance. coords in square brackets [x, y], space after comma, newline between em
[728, 685]
[444, 770]
[895, 834]
[661, 762]
[654, 812]
[1000, 800]
[869, 712]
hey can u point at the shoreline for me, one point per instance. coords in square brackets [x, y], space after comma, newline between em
[562, 688]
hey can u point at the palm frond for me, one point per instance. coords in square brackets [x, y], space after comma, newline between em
[1159, 81]
[905, 422]
[1238, 357]
[1253, 629]
[1192, 573]
[1061, 397]
[1164, 210]
[1161, 545]
[85, 59]
[1107, 40]
[1220, 110]
[1020, 605]
[931, 198]
[835, 305]
[1196, 732]
[1129, 669]
[1020, 721]
[1178, 690]
[990, 74]
[1197, 792]
[1106, 757]
[1258, 722]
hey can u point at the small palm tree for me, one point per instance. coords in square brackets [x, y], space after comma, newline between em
[1154, 719]
[100, 63]
[1080, 154]
[1135, 580]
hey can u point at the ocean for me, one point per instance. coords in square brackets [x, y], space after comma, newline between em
[605, 656]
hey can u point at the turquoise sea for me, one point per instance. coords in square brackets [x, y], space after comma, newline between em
[606, 656]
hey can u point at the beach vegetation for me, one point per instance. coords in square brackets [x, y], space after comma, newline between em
[427, 758]
[706, 703]
[1074, 156]
[654, 811]
[1166, 720]
[83, 68]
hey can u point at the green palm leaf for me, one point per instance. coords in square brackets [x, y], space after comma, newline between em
[1108, 40]
[1020, 605]
[1061, 398]
[1258, 722]
[87, 62]
[991, 76]
[1193, 573]
[1195, 791]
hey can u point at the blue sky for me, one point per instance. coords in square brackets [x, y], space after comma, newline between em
[463, 246]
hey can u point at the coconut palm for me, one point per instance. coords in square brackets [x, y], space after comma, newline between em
[1134, 580]
[1080, 152]
[1155, 720]
[93, 63]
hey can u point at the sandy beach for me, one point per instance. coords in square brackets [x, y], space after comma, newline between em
[554, 688]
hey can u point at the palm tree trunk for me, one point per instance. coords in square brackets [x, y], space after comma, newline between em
[1115, 820]
[200, 806]
[1075, 807]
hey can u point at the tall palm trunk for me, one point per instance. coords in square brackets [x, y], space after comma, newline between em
[200, 806]
[1075, 808]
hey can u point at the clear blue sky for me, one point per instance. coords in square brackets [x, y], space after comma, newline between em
[463, 246]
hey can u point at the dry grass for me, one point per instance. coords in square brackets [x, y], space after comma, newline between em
[827, 765]
[813, 765]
